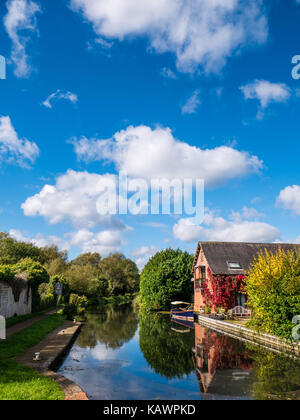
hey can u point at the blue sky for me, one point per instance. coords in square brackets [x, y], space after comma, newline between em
[194, 89]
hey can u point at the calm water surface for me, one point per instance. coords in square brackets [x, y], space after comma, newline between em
[118, 356]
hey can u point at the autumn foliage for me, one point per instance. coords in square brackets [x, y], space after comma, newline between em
[220, 291]
[273, 287]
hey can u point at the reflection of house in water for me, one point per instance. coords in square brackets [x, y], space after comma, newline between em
[223, 365]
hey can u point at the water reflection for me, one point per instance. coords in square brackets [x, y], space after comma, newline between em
[119, 355]
[276, 377]
[166, 350]
[112, 326]
[223, 365]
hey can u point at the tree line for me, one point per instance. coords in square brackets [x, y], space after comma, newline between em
[88, 275]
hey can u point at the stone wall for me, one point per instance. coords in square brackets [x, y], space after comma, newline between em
[246, 334]
[9, 307]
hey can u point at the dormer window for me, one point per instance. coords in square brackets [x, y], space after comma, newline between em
[234, 265]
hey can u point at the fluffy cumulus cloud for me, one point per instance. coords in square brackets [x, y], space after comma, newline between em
[143, 254]
[60, 95]
[40, 240]
[289, 199]
[20, 22]
[246, 214]
[201, 33]
[143, 152]
[192, 104]
[104, 242]
[219, 229]
[73, 199]
[266, 93]
[14, 149]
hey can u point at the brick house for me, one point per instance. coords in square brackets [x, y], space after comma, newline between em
[217, 261]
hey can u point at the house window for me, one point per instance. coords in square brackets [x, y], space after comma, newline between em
[240, 300]
[202, 277]
[233, 265]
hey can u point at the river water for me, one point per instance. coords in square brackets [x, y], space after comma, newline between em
[119, 355]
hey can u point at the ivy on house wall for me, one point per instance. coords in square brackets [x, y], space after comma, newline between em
[220, 291]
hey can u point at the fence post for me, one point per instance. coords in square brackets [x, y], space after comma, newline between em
[2, 328]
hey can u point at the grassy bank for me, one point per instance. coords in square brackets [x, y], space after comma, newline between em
[21, 318]
[18, 382]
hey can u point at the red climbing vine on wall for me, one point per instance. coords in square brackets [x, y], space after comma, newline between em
[219, 291]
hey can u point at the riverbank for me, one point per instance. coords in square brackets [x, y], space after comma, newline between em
[19, 382]
[53, 349]
[22, 378]
[243, 333]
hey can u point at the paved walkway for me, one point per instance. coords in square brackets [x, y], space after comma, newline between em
[25, 324]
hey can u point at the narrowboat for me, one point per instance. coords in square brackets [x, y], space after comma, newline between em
[183, 311]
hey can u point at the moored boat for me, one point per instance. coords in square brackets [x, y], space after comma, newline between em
[183, 311]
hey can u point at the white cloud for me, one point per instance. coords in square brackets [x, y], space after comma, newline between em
[201, 33]
[73, 199]
[168, 73]
[59, 95]
[143, 152]
[289, 199]
[143, 254]
[105, 242]
[246, 214]
[40, 240]
[12, 148]
[220, 229]
[266, 93]
[19, 22]
[192, 104]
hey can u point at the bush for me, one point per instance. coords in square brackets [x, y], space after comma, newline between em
[166, 277]
[7, 274]
[46, 293]
[273, 287]
[76, 307]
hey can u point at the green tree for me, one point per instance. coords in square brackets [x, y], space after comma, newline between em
[166, 277]
[56, 267]
[83, 280]
[89, 258]
[121, 274]
[12, 251]
[51, 253]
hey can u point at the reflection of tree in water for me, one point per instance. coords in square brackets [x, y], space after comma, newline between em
[168, 352]
[113, 327]
[277, 377]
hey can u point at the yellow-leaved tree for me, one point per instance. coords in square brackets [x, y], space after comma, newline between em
[273, 287]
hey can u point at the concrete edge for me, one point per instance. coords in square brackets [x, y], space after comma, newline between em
[53, 349]
[240, 332]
